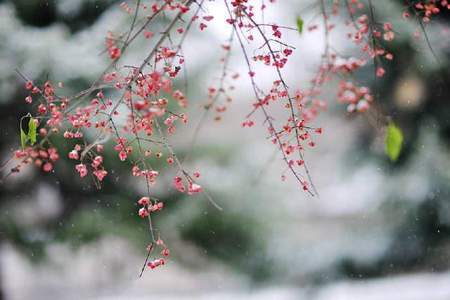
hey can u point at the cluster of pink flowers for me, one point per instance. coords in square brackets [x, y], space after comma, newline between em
[192, 187]
[430, 8]
[357, 98]
[156, 263]
[40, 157]
[96, 162]
[82, 170]
[165, 252]
[113, 51]
[147, 207]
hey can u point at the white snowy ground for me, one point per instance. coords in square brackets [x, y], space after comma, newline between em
[100, 271]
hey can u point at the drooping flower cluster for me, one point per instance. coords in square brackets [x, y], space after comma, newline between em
[165, 252]
[147, 207]
[43, 158]
[357, 98]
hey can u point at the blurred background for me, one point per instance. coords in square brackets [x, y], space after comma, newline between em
[380, 230]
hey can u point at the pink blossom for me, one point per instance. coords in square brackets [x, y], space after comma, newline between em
[97, 161]
[100, 174]
[380, 72]
[194, 188]
[144, 201]
[178, 183]
[82, 170]
[143, 212]
[47, 167]
[74, 155]
[122, 155]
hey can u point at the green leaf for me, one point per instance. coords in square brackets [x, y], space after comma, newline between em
[32, 131]
[23, 138]
[300, 24]
[393, 141]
